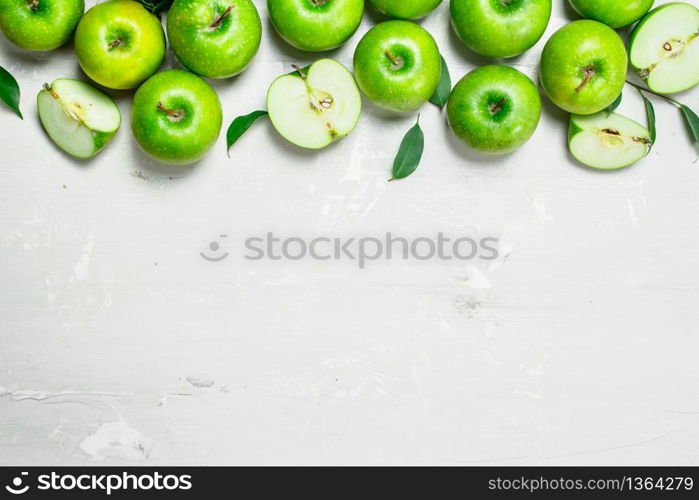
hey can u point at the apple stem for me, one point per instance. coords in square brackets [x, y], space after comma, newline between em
[33, 4]
[48, 89]
[174, 115]
[588, 73]
[115, 43]
[217, 22]
[301, 73]
[494, 108]
[396, 61]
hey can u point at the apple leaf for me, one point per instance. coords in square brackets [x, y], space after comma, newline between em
[240, 125]
[692, 122]
[409, 153]
[9, 91]
[156, 6]
[615, 104]
[650, 115]
[441, 95]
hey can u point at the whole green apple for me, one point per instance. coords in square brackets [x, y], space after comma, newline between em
[614, 13]
[176, 117]
[500, 28]
[397, 65]
[40, 24]
[315, 25]
[405, 9]
[664, 48]
[214, 38]
[119, 44]
[494, 109]
[583, 67]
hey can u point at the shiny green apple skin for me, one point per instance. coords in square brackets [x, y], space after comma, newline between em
[613, 13]
[583, 67]
[119, 44]
[494, 28]
[494, 109]
[315, 26]
[176, 117]
[405, 9]
[397, 65]
[40, 24]
[211, 40]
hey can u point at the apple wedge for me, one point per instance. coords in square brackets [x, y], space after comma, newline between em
[315, 106]
[664, 48]
[607, 140]
[80, 119]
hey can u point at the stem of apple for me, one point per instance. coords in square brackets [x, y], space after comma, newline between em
[669, 99]
[494, 108]
[396, 61]
[174, 115]
[588, 73]
[48, 89]
[217, 22]
[115, 43]
[33, 4]
[301, 73]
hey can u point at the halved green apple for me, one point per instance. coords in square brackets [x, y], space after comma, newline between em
[80, 119]
[607, 140]
[315, 106]
[664, 48]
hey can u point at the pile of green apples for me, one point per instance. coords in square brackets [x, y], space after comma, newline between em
[176, 115]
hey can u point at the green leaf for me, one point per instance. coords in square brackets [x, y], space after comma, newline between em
[692, 122]
[650, 115]
[441, 95]
[409, 153]
[9, 91]
[615, 104]
[156, 6]
[240, 125]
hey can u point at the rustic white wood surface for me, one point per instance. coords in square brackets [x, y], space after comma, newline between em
[120, 344]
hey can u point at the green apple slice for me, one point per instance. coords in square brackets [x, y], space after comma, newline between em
[664, 48]
[80, 119]
[315, 107]
[607, 140]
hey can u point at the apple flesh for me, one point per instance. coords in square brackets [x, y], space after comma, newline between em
[315, 25]
[214, 38]
[176, 117]
[40, 24]
[315, 107]
[583, 67]
[397, 65]
[500, 28]
[405, 9]
[494, 109]
[119, 44]
[80, 119]
[664, 48]
[607, 140]
[613, 13]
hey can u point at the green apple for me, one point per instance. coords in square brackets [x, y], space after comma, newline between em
[607, 140]
[80, 119]
[405, 9]
[583, 67]
[315, 106]
[614, 13]
[315, 25]
[494, 109]
[500, 28]
[397, 65]
[176, 117]
[214, 38]
[40, 24]
[119, 44]
[664, 48]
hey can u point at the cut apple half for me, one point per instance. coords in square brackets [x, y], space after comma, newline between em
[607, 140]
[80, 119]
[315, 106]
[664, 48]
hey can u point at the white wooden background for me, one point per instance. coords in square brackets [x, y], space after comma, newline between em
[119, 344]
